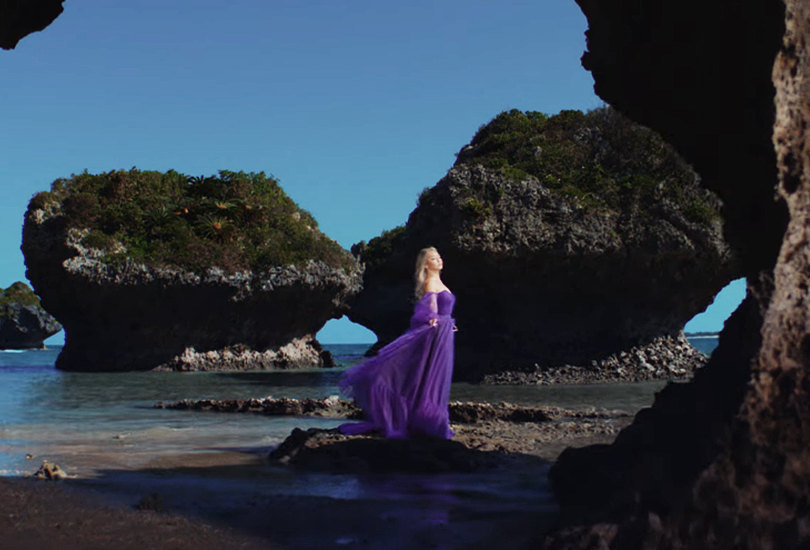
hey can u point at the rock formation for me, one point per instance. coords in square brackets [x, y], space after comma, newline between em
[720, 462]
[125, 313]
[23, 322]
[19, 19]
[514, 432]
[556, 266]
[328, 450]
[461, 412]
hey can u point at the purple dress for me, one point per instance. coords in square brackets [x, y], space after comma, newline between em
[404, 390]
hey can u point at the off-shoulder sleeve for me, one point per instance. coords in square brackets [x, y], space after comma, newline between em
[426, 309]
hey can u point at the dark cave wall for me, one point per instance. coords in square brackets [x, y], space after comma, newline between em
[722, 461]
[19, 18]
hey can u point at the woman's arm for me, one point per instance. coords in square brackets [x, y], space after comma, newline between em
[427, 311]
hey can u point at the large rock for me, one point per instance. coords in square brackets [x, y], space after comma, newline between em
[549, 274]
[328, 450]
[23, 322]
[720, 462]
[19, 19]
[120, 313]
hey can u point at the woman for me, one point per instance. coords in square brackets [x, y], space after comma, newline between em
[405, 388]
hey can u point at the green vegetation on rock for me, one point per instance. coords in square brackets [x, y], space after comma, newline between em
[234, 220]
[380, 248]
[17, 294]
[599, 158]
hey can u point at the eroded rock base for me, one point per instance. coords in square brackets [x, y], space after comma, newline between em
[509, 430]
[299, 354]
[665, 358]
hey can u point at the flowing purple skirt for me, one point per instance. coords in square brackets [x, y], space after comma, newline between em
[404, 390]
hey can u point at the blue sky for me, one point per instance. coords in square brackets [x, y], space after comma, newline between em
[355, 106]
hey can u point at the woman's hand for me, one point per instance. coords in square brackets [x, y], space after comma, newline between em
[455, 328]
[434, 322]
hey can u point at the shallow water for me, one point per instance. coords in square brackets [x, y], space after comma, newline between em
[103, 426]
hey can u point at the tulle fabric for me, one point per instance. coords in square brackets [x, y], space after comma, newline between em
[404, 390]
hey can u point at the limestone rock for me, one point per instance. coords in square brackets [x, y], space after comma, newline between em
[461, 412]
[666, 357]
[128, 315]
[50, 472]
[304, 352]
[328, 450]
[23, 322]
[330, 407]
[720, 462]
[546, 278]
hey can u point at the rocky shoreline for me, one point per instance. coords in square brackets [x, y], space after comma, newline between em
[300, 353]
[488, 435]
[461, 412]
[665, 358]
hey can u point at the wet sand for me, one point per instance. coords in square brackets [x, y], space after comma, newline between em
[232, 500]
[48, 516]
[196, 515]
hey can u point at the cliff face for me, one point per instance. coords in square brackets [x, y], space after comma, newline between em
[720, 462]
[548, 274]
[19, 19]
[124, 314]
[23, 322]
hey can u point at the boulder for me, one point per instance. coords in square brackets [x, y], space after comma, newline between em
[182, 281]
[328, 450]
[50, 472]
[23, 322]
[553, 265]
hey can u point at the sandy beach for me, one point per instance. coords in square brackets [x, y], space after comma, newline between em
[48, 516]
[211, 500]
[202, 476]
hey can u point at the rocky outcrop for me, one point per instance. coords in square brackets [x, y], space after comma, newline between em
[488, 435]
[330, 407]
[299, 353]
[720, 462]
[665, 358]
[23, 322]
[19, 19]
[461, 412]
[508, 428]
[26, 327]
[328, 450]
[132, 316]
[546, 278]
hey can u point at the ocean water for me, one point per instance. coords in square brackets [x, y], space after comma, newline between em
[80, 417]
[704, 343]
[103, 428]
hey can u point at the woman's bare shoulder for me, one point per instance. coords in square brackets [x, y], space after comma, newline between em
[436, 287]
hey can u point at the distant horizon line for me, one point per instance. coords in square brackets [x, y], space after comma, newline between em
[687, 334]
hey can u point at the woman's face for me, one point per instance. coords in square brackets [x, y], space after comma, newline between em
[434, 261]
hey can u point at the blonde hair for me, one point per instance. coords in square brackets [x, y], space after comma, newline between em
[421, 271]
